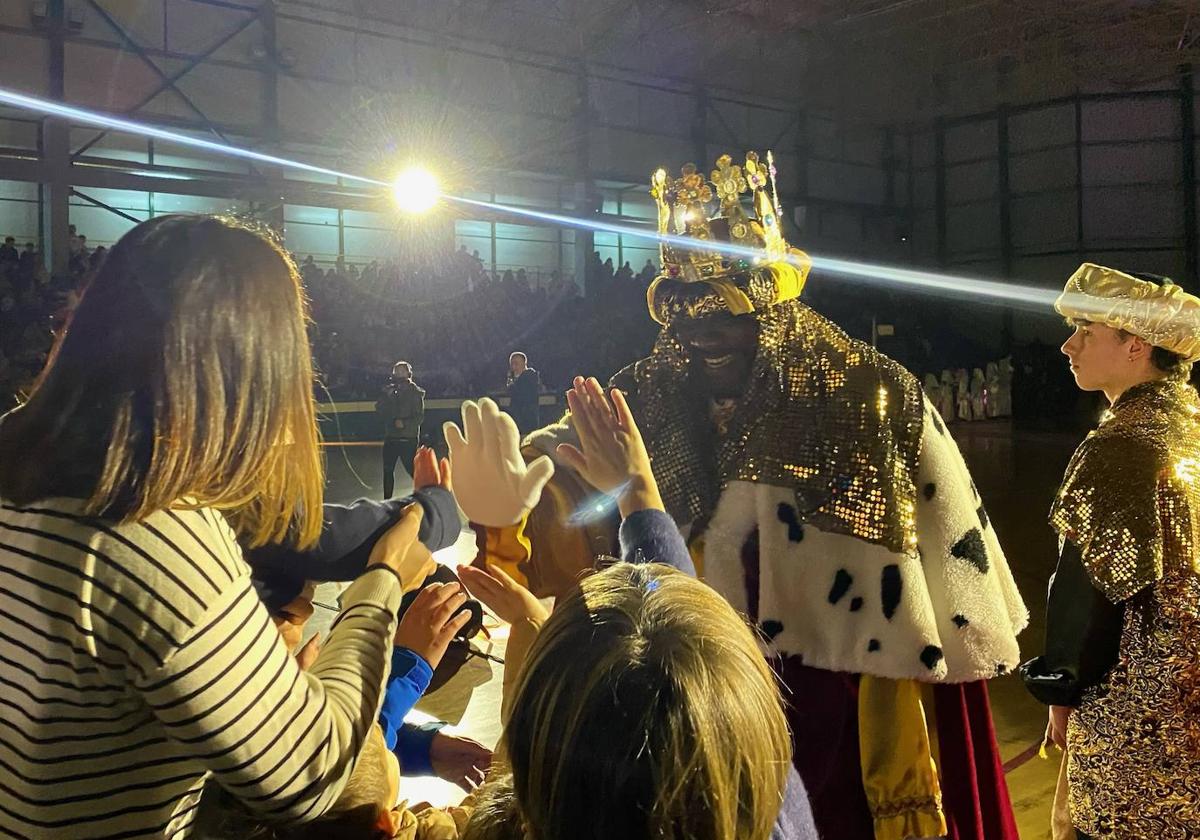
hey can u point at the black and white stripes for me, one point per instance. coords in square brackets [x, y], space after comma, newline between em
[135, 659]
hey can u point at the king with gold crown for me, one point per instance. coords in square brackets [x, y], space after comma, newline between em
[822, 495]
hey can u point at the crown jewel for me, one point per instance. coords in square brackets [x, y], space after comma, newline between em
[686, 205]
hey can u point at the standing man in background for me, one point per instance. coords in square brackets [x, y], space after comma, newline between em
[401, 409]
[524, 388]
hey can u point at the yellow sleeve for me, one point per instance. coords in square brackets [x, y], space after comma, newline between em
[506, 549]
[899, 775]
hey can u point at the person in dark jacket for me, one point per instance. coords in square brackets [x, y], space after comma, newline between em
[401, 409]
[524, 388]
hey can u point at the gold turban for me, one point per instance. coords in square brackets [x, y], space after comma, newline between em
[1166, 316]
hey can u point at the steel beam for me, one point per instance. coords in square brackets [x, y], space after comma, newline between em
[1187, 113]
[1004, 193]
[95, 202]
[939, 191]
[168, 82]
[54, 141]
[131, 43]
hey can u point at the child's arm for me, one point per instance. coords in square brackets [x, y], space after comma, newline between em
[348, 535]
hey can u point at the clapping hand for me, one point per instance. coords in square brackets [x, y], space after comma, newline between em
[611, 455]
[494, 487]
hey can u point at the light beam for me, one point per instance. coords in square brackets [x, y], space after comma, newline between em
[1013, 294]
[85, 117]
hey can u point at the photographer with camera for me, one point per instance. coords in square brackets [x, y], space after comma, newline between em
[401, 408]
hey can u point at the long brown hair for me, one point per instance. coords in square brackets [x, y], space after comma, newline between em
[184, 376]
[646, 710]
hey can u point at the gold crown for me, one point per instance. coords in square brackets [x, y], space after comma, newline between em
[684, 206]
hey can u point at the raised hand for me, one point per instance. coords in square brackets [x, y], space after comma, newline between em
[428, 471]
[429, 625]
[507, 599]
[611, 455]
[493, 485]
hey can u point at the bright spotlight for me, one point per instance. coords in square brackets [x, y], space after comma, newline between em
[415, 190]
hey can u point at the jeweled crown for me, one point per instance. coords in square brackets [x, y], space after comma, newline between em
[686, 205]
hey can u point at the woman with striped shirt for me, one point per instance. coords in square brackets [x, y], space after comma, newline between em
[175, 417]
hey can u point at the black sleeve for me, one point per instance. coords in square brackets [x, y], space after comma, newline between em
[348, 534]
[1083, 635]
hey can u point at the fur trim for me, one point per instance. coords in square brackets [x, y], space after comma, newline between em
[948, 612]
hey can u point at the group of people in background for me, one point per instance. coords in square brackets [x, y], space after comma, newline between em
[401, 411]
[979, 397]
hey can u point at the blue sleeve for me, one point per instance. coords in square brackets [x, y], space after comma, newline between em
[795, 819]
[348, 534]
[651, 536]
[408, 680]
[413, 747]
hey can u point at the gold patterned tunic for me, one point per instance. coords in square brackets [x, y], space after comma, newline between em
[1130, 502]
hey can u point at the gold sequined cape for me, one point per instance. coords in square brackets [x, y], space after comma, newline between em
[1107, 505]
[824, 415]
[1131, 496]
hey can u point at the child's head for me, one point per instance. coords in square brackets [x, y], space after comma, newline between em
[646, 710]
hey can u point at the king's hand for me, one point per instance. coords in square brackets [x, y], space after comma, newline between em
[494, 486]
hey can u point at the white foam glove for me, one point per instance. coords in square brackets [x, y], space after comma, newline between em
[493, 485]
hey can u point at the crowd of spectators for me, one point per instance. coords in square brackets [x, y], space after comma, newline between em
[368, 316]
[32, 306]
[365, 316]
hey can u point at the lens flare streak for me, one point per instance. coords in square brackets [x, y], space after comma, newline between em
[1009, 293]
[85, 117]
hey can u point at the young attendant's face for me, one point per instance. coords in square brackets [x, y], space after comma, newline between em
[722, 348]
[1098, 355]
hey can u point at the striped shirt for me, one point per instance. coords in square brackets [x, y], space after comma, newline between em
[135, 660]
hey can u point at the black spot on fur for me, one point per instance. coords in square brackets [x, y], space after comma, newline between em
[960, 621]
[930, 491]
[970, 548]
[983, 517]
[772, 628]
[841, 585]
[937, 423]
[856, 604]
[787, 515]
[974, 489]
[890, 588]
[1001, 669]
[872, 646]
[931, 656]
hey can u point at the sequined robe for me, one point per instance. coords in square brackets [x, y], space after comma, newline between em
[1131, 503]
[834, 509]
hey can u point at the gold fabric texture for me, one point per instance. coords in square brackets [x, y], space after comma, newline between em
[1133, 758]
[824, 415]
[740, 294]
[899, 775]
[1147, 442]
[1165, 316]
